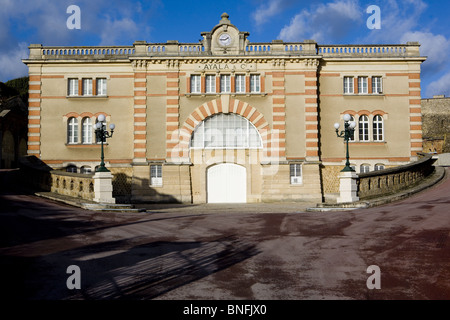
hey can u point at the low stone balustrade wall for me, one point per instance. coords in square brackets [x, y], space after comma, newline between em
[77, 185]
[391, 180]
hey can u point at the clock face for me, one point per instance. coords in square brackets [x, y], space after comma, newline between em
[225, 39]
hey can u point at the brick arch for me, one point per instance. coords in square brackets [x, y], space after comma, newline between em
[221, 105]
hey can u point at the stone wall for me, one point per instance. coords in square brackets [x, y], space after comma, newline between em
[391, 180]
[436, 124]
[76, 185]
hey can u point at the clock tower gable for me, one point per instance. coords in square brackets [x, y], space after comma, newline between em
[225, 38]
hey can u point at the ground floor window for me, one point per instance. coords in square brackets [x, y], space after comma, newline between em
[156, 175]
[296, 173]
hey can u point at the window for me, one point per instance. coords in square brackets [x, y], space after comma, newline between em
[348, 85]
[376, 85]
[73, 87]
[71, 168]
[379, 166]
[296, 173]
[364, 168]
[85, 169]
[352, 136]
[362, 85]
[225, 83]
[210, 83]
[156, 175]
[195, 84]
[86, 136]
[255, 83]
[363, 128]
[226, 131]
[240, 83]
[101, 87]
[87, 87]
[378, 128]
[72, 130]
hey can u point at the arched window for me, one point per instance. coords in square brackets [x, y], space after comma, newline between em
[363, 125]
[87, 131]
[71, 168]
[85, 169]
[378, 128]
[226, 131]
[72, 130]
[352, 136]
[364, 168]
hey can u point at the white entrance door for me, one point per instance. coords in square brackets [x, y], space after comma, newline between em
[227, 183]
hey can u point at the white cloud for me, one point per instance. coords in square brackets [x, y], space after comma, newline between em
[11, 62]
[264, 12]
[326, 22]
[435, 47]
[440, 86]
[116, 32]
[398, 17]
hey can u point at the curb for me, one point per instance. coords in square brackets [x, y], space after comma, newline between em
[88, 205]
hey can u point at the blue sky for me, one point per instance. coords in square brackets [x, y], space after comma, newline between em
[120, 22]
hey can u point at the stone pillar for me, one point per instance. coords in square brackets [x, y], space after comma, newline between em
[347, 187]
[103, 187]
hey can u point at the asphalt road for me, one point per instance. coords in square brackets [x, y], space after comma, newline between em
[275, 252]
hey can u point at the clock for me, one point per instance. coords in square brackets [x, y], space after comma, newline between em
[225, 39]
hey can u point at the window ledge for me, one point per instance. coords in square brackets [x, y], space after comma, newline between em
[364, 95]
[87, 97]
[233, 94]
[80, 145]
[367, 143]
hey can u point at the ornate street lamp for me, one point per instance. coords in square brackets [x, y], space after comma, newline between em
[347, 134]
[101, 134]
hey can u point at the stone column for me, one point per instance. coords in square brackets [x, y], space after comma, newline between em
[103, 187]
[347, 187]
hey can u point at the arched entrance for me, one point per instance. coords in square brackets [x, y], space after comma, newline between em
[226, 183]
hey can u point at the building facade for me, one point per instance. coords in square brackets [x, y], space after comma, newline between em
[226, 120]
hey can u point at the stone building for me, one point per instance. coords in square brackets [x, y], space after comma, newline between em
[225, 119]
[436, 124]
[13, 130]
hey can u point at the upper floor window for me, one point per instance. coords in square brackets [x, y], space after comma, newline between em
[225, 83]
[378, 128]
[195, 83]
[363, 125]
[379, 166]
[101, 87]
[210, 83]
[348, 85]
[240, 83]
[377, 85]
[255, 83]
[87, 87]
[72, 87]
[352, 136]
[86, 136]
[72, 130]
[362, 85]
